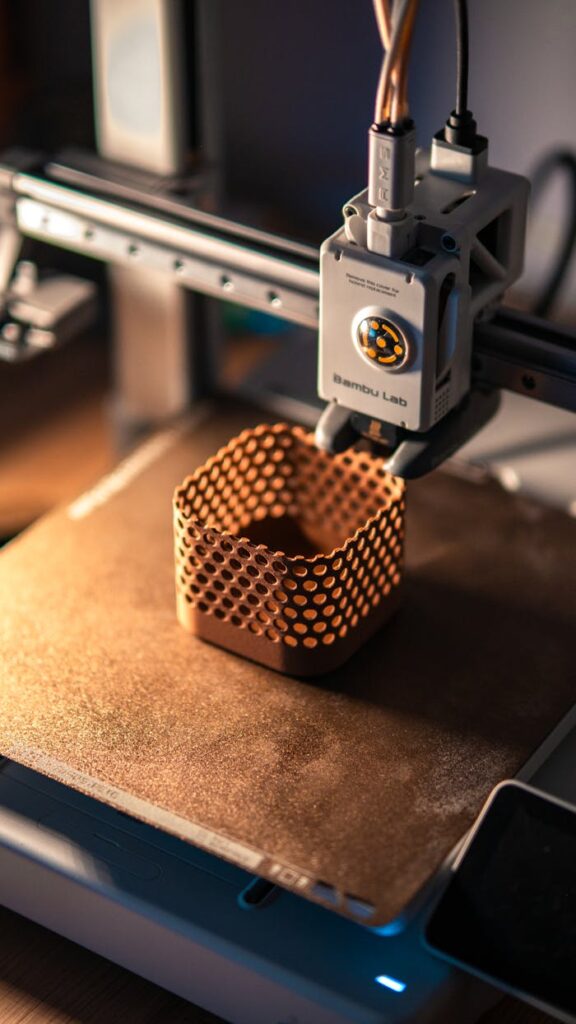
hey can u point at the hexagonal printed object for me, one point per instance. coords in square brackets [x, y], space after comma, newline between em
[287, 555]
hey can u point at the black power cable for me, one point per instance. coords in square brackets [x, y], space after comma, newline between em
[460, 128]
[557, 160]
[462, 56]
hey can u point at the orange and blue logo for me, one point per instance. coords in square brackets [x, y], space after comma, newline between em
[382, 342]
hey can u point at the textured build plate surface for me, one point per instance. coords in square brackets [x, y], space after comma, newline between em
[365, 779]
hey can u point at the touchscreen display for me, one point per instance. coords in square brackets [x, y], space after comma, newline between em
[509, 911]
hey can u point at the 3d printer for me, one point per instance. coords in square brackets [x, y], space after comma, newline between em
[284, 842]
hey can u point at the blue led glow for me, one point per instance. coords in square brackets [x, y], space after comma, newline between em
[392, 983]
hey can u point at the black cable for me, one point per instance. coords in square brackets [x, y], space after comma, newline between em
[462, 56]
[558, 160]
[460, 128]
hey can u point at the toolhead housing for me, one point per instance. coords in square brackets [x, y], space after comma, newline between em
[396, 333]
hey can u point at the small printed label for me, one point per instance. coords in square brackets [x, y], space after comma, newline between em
[289, 877]
[365, 389]
[385, 159]
[378, 287]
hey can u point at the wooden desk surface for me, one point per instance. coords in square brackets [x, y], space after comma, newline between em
[44, 979]
[55, 436]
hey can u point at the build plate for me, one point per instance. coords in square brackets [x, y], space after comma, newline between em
[362, 781]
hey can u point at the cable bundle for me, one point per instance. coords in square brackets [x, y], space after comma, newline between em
[396, 26]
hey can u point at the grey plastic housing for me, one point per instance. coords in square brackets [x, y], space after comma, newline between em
[466, 248]
[391, 169]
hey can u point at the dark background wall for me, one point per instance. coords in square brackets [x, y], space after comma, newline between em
[297, 81]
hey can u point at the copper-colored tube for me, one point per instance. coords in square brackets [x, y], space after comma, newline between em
[382, 13]
[392, 96]
[383, 20]
[399, 107]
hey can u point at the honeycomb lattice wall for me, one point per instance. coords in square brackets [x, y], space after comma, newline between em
[299, 614]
